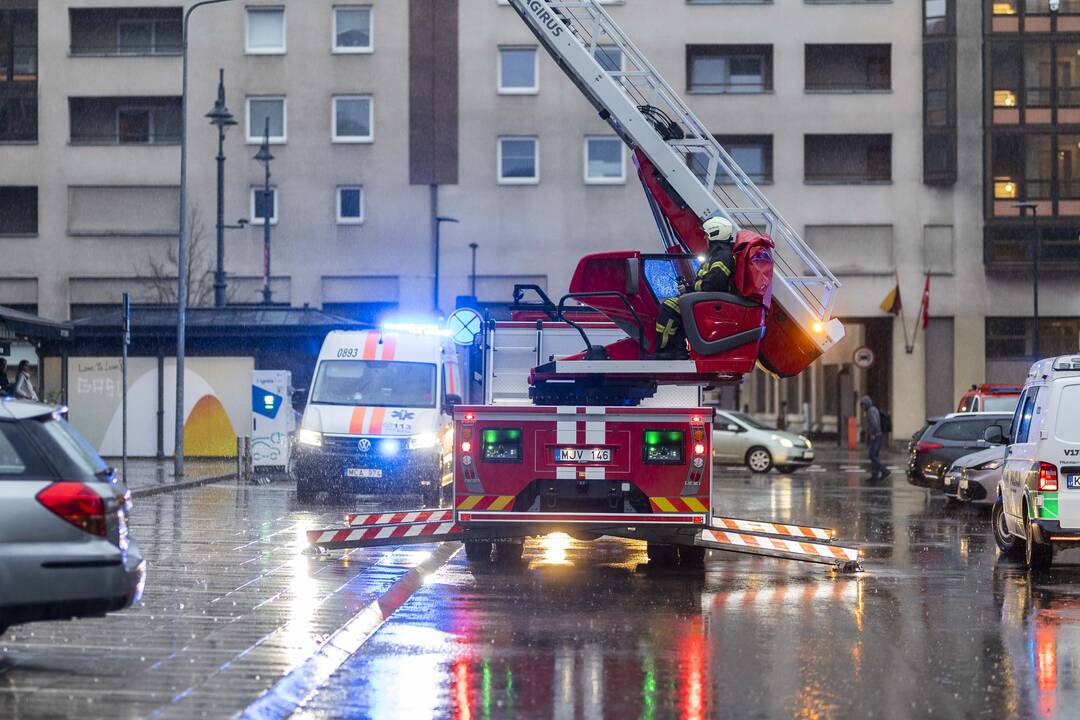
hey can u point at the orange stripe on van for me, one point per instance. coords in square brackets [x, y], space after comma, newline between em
[389, 347]
[371, 346]
[356, 422]
[377, 415]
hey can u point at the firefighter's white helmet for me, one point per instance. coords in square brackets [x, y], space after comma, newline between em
[718, 229]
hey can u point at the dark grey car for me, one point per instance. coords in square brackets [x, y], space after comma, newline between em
[946, 439]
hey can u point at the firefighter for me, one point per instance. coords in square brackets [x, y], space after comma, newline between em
[714, 275]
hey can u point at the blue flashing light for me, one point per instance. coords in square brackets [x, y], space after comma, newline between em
[419, 326]
[389, 448]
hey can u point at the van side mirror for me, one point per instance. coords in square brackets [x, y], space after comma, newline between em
[993, 435]
[299, 399]
[450, 401]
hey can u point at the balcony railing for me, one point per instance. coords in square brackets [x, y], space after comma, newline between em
[17, 227]
[827, 85]
[851, 177]
[118, 139]
[113, 50]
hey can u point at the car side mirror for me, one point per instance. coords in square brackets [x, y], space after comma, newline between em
[299, 399]
[993, 436]
[450, 401]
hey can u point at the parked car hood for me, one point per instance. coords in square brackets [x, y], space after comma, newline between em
[995, 452]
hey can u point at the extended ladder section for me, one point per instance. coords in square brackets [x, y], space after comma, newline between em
[649, 115]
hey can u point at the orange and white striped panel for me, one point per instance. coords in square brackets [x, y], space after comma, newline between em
[485, 502]
[398, 518]
[687, 503]
[814, 551]
[769, 528]
[340, 538]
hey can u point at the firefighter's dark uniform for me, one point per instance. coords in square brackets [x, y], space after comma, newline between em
[714, 275]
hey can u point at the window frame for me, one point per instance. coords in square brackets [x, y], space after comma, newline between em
[151, 135]
[728, 51]
[342, 220]
[352, 139]
[274, 140]
[503, 90]
[248, 50]
[364, 50]
[535, 179]
[728, 141]
[274, 217]
[590, 180]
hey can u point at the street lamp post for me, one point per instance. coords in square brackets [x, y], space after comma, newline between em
[265, 156]
[439, 220]
[181, 251]
[1035, 253]
[472, 277]
[221, 118]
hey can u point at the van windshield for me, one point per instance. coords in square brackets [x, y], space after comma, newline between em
[1000, 403]
[375, 383]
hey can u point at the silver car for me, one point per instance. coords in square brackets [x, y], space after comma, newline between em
[64, 545]
[739, 439]
[978, 475]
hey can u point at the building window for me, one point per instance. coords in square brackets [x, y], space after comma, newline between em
[350, 205]
[519, 161]
[518, 71]
[262, 204]
[848, 159]
[938, 18]
[265, 30]
[124, 120]
[848, 68]
[18, 210]
[610, 57]
[352, 29]
[263, 109]
[1014, 337]
[729, 68]
[18, 118]
[752, 153]
[605, 161]
[18, 46]
[352, 119]
[940, 136]
[149, 36]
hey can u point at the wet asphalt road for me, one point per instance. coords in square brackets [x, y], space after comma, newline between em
[937, 626]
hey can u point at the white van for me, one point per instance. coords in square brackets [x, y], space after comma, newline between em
[378, 414]
[1038, 503]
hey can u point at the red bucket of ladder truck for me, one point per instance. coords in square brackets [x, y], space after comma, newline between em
[597, 445]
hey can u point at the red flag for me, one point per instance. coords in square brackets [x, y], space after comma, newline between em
[926, 302]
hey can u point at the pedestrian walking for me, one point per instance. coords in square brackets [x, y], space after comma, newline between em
[875, 436]
[24, 388]
[5, 382]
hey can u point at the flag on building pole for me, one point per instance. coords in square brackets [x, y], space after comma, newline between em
[892, 303]
[926, 302]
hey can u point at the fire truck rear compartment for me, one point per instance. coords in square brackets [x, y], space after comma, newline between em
[582, 495]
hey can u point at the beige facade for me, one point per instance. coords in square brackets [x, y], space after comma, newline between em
[103, 206]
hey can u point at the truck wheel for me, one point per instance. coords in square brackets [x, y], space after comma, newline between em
[662, 555]
[759, 460]
[1037, 555]
[477, 551]
[509, 553]
[1006, 542]
[691, 555]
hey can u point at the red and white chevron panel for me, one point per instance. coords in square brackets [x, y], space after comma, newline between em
[337, 538]
[768, 528]
[396, 518]
[815, 551]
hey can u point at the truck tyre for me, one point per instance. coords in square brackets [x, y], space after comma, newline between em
[1008, 544]
[477, 551]
[509, 553]
[691, 555]
[1037, 555]
[661, 555]
[759, 460]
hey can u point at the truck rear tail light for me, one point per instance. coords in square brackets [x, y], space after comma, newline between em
[501, 445]
[469, 417]
[665, 447]
[923, 446]
[77, 504]
[466, 446]
[699, 449]
[1048, 477]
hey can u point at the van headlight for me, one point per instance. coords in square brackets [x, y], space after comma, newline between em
[784, 442]
[423, 440]
[312, 438]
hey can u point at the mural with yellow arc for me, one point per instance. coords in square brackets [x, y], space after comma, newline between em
[208, 432]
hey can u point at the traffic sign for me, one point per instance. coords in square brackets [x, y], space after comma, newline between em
[465, 324]
[864, 358]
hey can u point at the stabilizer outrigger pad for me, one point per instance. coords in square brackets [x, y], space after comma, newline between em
[844, 559]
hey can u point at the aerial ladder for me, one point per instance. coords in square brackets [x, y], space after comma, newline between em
[581, 458]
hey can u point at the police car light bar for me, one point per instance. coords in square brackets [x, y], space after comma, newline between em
[415, 328]
[1067, 363]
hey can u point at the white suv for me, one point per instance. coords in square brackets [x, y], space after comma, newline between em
[1038, 499]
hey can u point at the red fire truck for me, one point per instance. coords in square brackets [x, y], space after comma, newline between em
[588, 438]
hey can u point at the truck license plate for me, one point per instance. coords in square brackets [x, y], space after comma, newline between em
[583, 455]
[363, 473]
[1073, 481]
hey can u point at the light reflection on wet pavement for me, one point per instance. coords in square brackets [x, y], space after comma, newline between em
[937, 626]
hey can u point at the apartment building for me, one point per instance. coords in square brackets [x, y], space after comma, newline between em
[872, 125]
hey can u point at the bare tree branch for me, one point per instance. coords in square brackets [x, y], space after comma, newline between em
[159, 275]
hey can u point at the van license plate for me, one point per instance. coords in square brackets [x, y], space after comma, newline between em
[363, 473]
[583, 455]
[1073, 481]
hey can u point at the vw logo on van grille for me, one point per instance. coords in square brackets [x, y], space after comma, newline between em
[364, 445]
